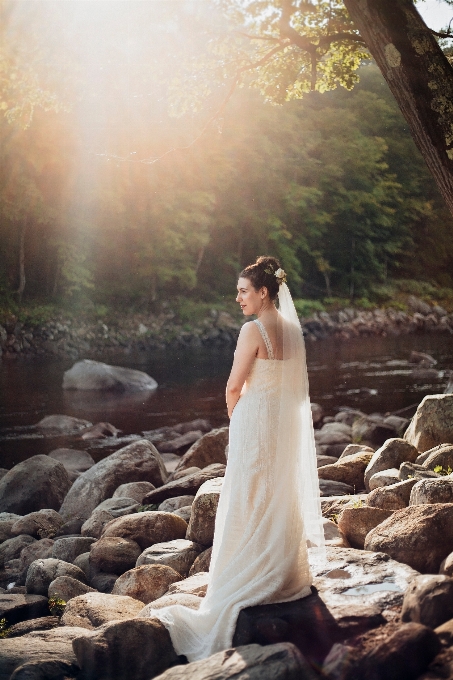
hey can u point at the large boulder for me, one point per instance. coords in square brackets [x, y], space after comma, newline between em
[75, 462]
[185, 486]
[136, 462]
[94, 609]
[12, 548]
[38, 550]
[70, 547]
[114, 554]
[16, 607]
[147, 528]
[40, 524]
[384, 478]
[207, 450]
[429, 600]
[95, 375]
[146, 583]
[96, 523]
[356, 523]
[176, 503]
[204, 508]
[349, 470]
[41, 573]
[433, 422]
[420, 536]
[66, 587]
[40, 655]
[179, 554]
[122, 650]
[36, 483]
[440, 455]
[393, 497]
[432, 491]
[250, 662]
[390, 455]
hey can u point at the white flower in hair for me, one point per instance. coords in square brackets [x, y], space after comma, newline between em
[280, 275]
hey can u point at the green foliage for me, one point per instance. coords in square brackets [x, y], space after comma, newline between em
[4, 630]
[443, 471]
[308, 307]
[147, 508]
[56, 606]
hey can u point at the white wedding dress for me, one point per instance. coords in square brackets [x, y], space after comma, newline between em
[259, 553]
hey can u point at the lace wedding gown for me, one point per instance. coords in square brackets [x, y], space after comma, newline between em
[259, 553]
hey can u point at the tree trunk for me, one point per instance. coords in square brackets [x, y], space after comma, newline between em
[20, 290]
[419, 77]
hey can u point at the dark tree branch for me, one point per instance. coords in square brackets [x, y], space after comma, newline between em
[327, 40]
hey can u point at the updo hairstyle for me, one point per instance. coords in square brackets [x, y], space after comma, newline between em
[262, 273]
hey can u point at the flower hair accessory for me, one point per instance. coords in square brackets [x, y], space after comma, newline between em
[280, 275]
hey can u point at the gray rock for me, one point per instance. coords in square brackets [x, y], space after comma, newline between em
[397, 423]
[186, 485]
[248, 662]
[83, 563]
[136, 462]
[413, 471]
[114, 555]
[351, 449]
[96, 523]
[196, 584]
[384, 478]
[184, 513]
[372, 431]
[420, 536]
[62, 423]
[146, 583]
[348, 416]
[202, 562]
[94, 609]
[175, 503]
[7, 519]
[325, 460]
[71, 527]
[446, 566]
[147, 528]
[393, 497]
[41, 573]
[40, 524]
[70, 547]
[75, 462]
[66, 587]
[95, 375]
[429, 600]
[181, 442]
[179, 554]
[15, 608]
[135, 490]
[103, 582]
[432, 491]
[179, 474]
[38, 550]
[328, 487]
[433, 422]
[204, 508]
[206, 451]
[36, 483]
[139, 648]
[190, 601]
[12, 548]
[41, 655]
[440, 455]
[390, 455]
[117, 506]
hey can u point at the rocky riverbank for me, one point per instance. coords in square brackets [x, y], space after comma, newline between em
[86, 549]
[67, 337]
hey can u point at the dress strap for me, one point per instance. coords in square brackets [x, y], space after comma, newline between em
[267, 342]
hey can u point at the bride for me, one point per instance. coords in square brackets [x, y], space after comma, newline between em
[269, 508]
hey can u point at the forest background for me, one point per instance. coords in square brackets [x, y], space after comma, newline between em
[109, 203]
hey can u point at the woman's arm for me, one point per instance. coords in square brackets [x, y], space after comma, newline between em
[244, 356]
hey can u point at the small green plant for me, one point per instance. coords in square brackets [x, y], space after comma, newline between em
[334, 517]
[4, 630]
[358, 503]
[147, 508]
[56, 606]
[443, 471]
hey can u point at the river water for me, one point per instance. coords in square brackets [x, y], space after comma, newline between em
[372, 374]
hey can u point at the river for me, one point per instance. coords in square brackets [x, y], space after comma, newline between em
[372, 374]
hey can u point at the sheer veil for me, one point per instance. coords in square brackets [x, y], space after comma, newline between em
[295, 438]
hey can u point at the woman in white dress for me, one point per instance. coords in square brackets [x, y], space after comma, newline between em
[269, 508]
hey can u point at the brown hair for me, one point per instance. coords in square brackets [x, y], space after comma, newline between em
[262, 273]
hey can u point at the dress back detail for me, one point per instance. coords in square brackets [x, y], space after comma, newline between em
[267, 342]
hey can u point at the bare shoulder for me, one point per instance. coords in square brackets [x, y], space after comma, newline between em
[249, 330]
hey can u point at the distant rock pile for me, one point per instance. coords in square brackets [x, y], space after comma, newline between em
[87, 549]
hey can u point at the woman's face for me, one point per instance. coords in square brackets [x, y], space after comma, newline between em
[251, 300]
